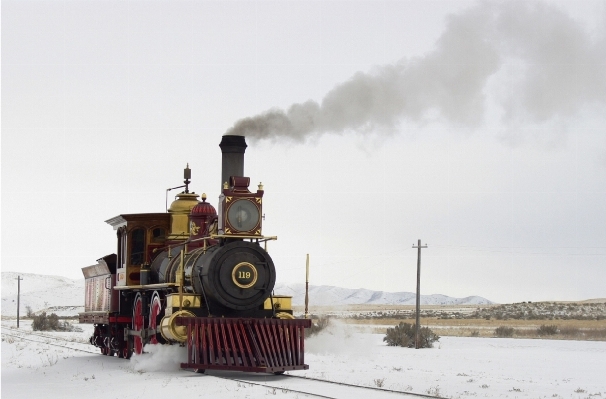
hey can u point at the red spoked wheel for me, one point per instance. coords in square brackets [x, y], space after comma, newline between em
[155, 308]
[138, 324]
[126, 351]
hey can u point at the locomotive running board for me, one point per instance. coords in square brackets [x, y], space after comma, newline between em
[257, 345]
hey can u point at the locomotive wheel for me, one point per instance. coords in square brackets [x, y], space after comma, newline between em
[155, 308]
[138, 324]
[126, 351]
[106, 348]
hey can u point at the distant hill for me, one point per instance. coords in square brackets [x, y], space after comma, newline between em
[595, 300]
[65, 296]
[42, 293]
[322, 295]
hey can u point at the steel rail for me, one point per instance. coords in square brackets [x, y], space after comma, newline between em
[362, 387]
[274, 387]
[422, 395]
[51, 344]
[25, 332]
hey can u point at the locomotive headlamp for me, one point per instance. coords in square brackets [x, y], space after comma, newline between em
[239, 209]
[243, 215]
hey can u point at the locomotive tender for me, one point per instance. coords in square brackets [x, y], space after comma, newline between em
[197, 277]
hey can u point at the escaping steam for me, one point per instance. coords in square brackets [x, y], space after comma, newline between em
[340, 339]
[159, 358]
[546, 66]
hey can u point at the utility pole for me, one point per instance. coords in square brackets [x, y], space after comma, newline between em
[18, 297]
[419, 246]
[307, 288]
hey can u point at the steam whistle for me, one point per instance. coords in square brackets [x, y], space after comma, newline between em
[187, 177]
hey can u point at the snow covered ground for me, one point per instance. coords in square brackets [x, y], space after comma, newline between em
[457, 367]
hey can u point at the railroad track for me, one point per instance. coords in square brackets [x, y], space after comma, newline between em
[39, 334]
[312, 387]
[418, 395]
[315, 387]
[47, 340]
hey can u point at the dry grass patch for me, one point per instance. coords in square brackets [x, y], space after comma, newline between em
[567, 329]
[481, 323]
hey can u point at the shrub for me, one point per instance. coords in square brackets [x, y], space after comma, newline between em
[401, 335]
[547, 330]
[504, 332]
[379, 382]
[404, 335]
[475, 333]
[42, 322]
[570, 332]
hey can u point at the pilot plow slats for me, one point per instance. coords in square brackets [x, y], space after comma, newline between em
[258, 345]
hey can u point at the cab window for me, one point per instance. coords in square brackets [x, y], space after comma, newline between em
[137, 246]
[158, 235]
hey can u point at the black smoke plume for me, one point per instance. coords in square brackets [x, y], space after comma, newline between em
[546, 65]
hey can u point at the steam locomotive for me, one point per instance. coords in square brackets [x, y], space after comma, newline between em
[199, 278]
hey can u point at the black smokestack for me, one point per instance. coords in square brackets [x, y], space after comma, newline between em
[233, 148]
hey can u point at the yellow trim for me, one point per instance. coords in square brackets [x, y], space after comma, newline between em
[254, 272]
[259, 237]
[169, 329]
[281, 302]
[134, 287]
[189, 301]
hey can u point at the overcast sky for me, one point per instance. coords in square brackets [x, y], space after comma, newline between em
[479, 128]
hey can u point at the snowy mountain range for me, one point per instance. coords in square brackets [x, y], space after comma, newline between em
[65, 296]
[323, 295]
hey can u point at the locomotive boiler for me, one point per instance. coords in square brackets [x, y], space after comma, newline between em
[197, 277]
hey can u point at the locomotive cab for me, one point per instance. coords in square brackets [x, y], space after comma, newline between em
[140, 236]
